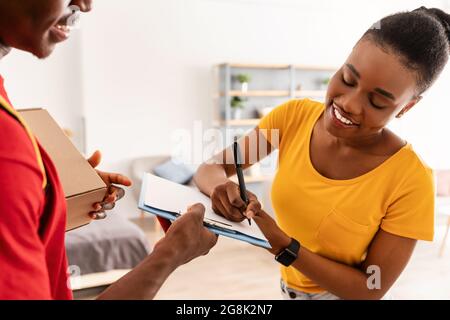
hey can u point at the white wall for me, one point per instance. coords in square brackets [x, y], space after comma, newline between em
[147, 64]
[145, 68]
[54, 83]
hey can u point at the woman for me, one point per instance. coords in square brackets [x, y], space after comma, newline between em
[33, 263]
[351, 198]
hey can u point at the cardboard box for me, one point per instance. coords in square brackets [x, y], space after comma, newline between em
[82, 185]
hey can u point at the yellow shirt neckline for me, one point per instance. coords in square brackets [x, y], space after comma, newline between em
[346, 181]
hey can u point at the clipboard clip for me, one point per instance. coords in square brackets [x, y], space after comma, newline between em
[208, 222]
[220, 225]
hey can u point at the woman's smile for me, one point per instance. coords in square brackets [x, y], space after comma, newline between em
[336, 118]
[340, 119]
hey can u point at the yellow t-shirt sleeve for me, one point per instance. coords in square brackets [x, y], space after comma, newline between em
[411, 214]
[274, 125]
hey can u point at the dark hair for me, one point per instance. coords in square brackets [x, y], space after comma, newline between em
[421, 38]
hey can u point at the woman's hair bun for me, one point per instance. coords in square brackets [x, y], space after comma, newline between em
[441, 16]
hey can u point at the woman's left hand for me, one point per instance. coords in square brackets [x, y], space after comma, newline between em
[276, 237]
[113, 193]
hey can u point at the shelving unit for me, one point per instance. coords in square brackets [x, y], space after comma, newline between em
[270, 86]
[270, 82]
[259, 93]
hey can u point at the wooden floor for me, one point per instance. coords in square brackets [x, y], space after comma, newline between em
[232, 270]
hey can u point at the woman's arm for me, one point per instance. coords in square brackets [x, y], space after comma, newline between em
[216, 171]
[387, 256]
[212, 177]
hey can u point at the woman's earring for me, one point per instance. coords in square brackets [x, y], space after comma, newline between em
[400, 114]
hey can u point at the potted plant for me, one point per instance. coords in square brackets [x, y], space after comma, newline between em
[324, 83]
[243, 79]
[237, 104]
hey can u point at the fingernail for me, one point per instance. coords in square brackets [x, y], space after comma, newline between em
[250, 214]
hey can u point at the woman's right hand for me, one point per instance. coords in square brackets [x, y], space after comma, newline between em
[227, 202]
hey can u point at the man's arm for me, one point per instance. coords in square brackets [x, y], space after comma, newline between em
[185, 240]
[145, 280]
[24, 273]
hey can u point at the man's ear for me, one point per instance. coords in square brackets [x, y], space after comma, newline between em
[408, 106]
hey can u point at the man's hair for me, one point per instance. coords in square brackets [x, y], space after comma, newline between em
[421, 38]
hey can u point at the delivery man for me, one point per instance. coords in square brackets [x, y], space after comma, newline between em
[33, 262]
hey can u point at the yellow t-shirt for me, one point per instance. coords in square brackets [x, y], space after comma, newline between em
[338, 219]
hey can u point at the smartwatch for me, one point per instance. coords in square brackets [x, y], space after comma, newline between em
[289, 254]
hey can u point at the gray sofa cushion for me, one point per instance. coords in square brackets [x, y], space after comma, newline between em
[176, 172]
[113, 243]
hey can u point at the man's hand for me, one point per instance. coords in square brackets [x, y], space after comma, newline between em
[188, 236]
[227, 202]
[113, 193]
[185, 240]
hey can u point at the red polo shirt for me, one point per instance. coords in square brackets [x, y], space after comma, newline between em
[33, 262]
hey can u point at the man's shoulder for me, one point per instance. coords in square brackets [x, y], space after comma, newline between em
[15, 144]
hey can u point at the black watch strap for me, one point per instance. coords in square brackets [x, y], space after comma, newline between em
[289, 254]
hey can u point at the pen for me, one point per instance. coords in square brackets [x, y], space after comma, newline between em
[240, 175]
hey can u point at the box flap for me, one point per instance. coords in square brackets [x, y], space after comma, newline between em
[76, 175]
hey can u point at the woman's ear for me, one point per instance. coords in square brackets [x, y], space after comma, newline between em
[408, 107]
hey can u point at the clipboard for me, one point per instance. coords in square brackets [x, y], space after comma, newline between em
[169, 200]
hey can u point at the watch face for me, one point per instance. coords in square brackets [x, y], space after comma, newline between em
[286, 257]
[289, 254]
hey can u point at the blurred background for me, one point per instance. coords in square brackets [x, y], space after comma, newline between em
[138, 71]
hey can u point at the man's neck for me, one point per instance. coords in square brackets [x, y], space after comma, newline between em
[4, 50]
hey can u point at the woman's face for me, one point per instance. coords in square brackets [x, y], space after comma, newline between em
[37, 26]
[369, 90]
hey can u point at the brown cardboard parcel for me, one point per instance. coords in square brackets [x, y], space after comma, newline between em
[81, 183]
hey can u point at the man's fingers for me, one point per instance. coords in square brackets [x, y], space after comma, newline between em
[114, 194]
[99, 215]
[95, 159]
[197, 207]
[111, 197]
[213, 241]
[105, 205]
[115, 178]
[108, 206]
[197, 210]
[120, 193]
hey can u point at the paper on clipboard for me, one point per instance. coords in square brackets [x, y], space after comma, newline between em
[168, 199]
